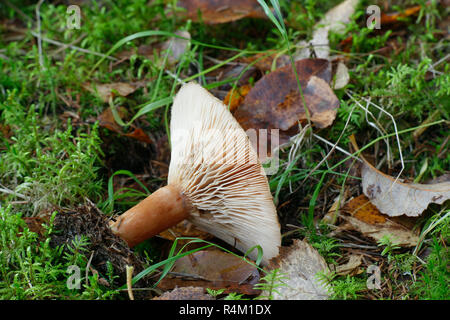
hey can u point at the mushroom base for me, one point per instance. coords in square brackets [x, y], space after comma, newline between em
[161, 210]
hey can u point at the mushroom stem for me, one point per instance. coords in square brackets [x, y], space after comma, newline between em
[161, 210]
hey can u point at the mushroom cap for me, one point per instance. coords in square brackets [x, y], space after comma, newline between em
[215, 165]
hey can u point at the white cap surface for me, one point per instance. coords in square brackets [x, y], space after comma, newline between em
[215, 165]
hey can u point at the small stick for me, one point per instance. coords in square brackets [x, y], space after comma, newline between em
[129, 284]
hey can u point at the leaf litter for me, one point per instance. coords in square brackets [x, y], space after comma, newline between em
[107, 91]
[291, 258]
[215, 270]
[396, 198]
[334, 20]
[302, 265]
[106, 120]
[276, 103]
[361, 215]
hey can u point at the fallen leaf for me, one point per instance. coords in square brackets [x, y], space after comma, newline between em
[334, 20]
[339, 16]
[213, 269]
[275, 102]
[365, 218]
[236, 96]
[354, 261]
[106, 120]
[177, 46]
[221, 11]
[185, 293]
[300, 263]
[139, 134]
[395, 199]
[342, 76]
[106, 91]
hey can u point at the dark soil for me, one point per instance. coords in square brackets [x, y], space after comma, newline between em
[104, 246]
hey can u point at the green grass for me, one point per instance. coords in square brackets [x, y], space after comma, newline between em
[53, 152]
[433, 280]
[33, 269]
[47, 168]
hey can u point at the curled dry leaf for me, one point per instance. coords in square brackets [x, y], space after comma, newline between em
[185, 293]
[396, 198]
[300, 263]
[213, 269]
[365, 218]
[106, 91]
[275, 102]
[221, 11]
[400, 198]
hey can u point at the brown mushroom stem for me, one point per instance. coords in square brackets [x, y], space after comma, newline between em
[161, 210]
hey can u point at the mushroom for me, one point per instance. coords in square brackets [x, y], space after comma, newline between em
[215, 181]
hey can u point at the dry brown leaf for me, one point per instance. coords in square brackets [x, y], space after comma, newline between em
[106, 120]
[105, 91]
[139, 134]
[354, 262]
[185, 293]
[395, 199]
[300, 263]
[235, 96]
[365, 218]
[275, 102]
[213, 269]
[221, 11]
